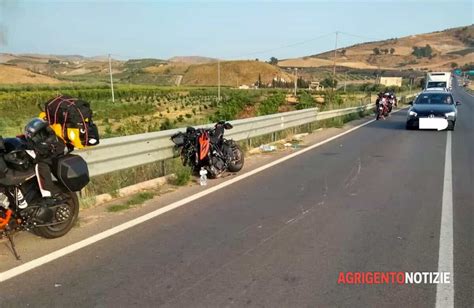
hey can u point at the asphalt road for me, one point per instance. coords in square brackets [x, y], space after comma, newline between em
[368, 201]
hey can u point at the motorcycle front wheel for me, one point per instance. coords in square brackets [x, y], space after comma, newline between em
[237, 162]
[70, 206]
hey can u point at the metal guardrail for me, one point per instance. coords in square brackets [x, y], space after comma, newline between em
[114, 154]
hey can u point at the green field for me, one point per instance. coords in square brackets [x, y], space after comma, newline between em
[141, 109]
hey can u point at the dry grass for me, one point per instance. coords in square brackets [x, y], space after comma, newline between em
[233, 73]
[443, 43]
[15, 75]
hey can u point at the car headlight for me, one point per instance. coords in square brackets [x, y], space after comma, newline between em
[450, 114]
[412, 113]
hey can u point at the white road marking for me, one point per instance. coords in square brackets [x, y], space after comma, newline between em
[129, 224]
[445, 292]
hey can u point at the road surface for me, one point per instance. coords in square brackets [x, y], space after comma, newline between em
[369, 201]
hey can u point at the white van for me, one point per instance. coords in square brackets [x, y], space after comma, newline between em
[438, 80]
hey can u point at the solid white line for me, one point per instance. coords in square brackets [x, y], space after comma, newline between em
[445, 292]
[129, 224]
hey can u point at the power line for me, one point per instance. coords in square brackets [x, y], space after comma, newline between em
[292, 44]
[362, 36]
[284, 46]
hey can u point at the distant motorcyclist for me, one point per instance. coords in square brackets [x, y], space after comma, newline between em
[393, 99]
[377, 101]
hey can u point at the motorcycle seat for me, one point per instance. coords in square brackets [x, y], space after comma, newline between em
[16, 177]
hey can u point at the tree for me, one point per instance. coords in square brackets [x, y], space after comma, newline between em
[376, 51]
[259, 82]
[422, 52]
[343, 52]
[392, 51]
[454, 65]
[273, 61]
[329, 83]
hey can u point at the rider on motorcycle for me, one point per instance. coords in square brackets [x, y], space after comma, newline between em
[393, 98]
[377, 101]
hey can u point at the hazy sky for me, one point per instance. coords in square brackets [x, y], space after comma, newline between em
[224, 29]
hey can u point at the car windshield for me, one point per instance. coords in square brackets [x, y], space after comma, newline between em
[436, 84]
[434, 98]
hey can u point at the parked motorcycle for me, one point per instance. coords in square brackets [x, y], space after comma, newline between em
[22, 207]
[208, 149]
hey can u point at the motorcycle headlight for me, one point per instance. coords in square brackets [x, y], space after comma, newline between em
[450, 114]
[412, 113]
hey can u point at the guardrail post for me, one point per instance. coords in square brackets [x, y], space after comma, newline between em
[163, 168]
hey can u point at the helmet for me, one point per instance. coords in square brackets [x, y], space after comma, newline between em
[38, 132]
[18, 160]
[34, 127]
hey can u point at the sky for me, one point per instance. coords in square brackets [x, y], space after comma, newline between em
[220, 29]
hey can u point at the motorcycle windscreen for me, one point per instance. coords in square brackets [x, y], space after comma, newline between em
[72, 172]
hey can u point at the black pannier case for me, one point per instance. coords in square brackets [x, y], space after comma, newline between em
[72, 172]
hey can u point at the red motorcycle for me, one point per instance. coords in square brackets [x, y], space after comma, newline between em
[383, 108]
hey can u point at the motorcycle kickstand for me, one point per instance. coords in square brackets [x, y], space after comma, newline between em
[12, 243]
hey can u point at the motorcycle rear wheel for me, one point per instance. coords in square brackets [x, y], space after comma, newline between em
[50, 232]
[238, 162]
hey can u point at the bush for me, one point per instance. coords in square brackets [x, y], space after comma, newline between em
[271, 104]
[305, 101]
[167, 124]
[183, 176]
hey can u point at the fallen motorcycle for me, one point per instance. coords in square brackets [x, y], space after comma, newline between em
[208, 149]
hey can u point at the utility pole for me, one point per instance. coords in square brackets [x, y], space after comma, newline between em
[296, 79]
[111, 79]
[218, 80]
[334, 66]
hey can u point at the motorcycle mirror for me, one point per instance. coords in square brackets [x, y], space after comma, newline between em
[227, 125]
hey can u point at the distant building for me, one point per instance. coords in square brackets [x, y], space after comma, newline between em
[390, 81]
[279, 79]
[315, 86]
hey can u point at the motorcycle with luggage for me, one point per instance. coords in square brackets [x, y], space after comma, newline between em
[206, 148]
[23, 204]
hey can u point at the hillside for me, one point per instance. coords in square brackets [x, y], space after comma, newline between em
[452, 45]
[15, 75]
[446, 49]
[233, 73]
[192, 59]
